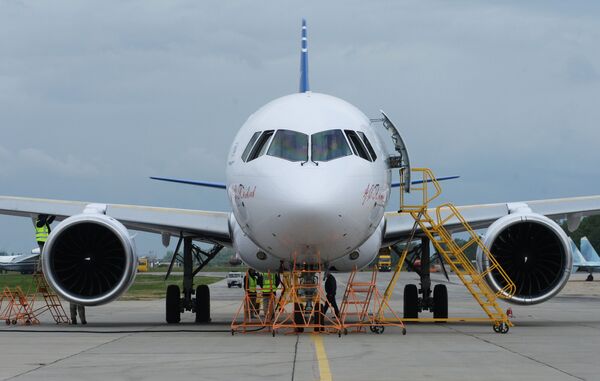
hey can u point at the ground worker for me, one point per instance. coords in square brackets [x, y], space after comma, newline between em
[270, 282]
[75, 309]
[42, 229]
[330, 290]
[250, 281]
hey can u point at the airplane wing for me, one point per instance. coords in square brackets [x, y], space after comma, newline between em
[399, 226]
[205, 226]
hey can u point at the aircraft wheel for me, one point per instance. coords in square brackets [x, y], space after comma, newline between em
[500, 327]
[589, 278]
[440, 302]
[403, 331]
[172, 304]
[202, 304]
[411, 301]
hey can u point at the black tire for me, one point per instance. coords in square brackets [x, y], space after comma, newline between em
[172, 304]
[589, 278]
[411, 301]
[202, 304]
[440, 302]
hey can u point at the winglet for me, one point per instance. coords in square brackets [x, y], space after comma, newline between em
[304, 87]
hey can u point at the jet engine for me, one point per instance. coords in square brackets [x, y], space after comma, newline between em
[89, 259]
[535, 253]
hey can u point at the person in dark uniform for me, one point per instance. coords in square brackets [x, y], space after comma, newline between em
[77, 309]
[330, 291]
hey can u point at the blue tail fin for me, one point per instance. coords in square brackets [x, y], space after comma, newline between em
[578, 259]
[588, 251]
[304, 61]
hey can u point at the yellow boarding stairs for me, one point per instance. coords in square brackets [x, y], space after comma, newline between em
[431, 222]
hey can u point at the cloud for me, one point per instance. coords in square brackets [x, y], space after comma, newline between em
[35, 162]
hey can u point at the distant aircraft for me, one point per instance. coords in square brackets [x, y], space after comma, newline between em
[588, 258]
[308, 178]
[25, 263]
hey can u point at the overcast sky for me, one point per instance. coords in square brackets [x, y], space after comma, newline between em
[96, 96]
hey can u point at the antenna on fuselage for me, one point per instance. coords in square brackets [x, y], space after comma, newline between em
[304, 61]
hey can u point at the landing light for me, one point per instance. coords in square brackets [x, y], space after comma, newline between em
[354, 255]
[261, 255]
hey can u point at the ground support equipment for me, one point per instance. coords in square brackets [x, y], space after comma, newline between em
[248, 317]
[300, 306]
[51, 304]
[361, 304]
[430, 224]
[18, 308]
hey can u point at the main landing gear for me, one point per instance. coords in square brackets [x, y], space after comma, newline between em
[413, 303]
[197, 301]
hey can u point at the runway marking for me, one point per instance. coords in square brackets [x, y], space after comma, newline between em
[324, 371]
[515, 352]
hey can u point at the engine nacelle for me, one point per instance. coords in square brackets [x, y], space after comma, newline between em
[89, 259]
[535, 253]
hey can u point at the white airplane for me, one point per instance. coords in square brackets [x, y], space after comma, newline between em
[308, 178]
[25, 263]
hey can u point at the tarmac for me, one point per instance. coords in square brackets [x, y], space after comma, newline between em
[128, 340]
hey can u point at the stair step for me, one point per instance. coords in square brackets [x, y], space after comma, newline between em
[361, 290]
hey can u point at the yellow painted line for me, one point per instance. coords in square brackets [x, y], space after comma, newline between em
[324, 371]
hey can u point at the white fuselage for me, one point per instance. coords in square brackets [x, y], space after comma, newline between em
[307, 205]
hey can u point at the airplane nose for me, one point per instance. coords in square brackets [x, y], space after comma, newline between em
[313, 214]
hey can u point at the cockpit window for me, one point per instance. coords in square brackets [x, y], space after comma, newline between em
[289, 145]
[357, 145]
[249, 146]
[261, 145]
[368, 145]
[329, 145]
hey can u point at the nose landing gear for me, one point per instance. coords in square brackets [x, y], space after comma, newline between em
[413, 304]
